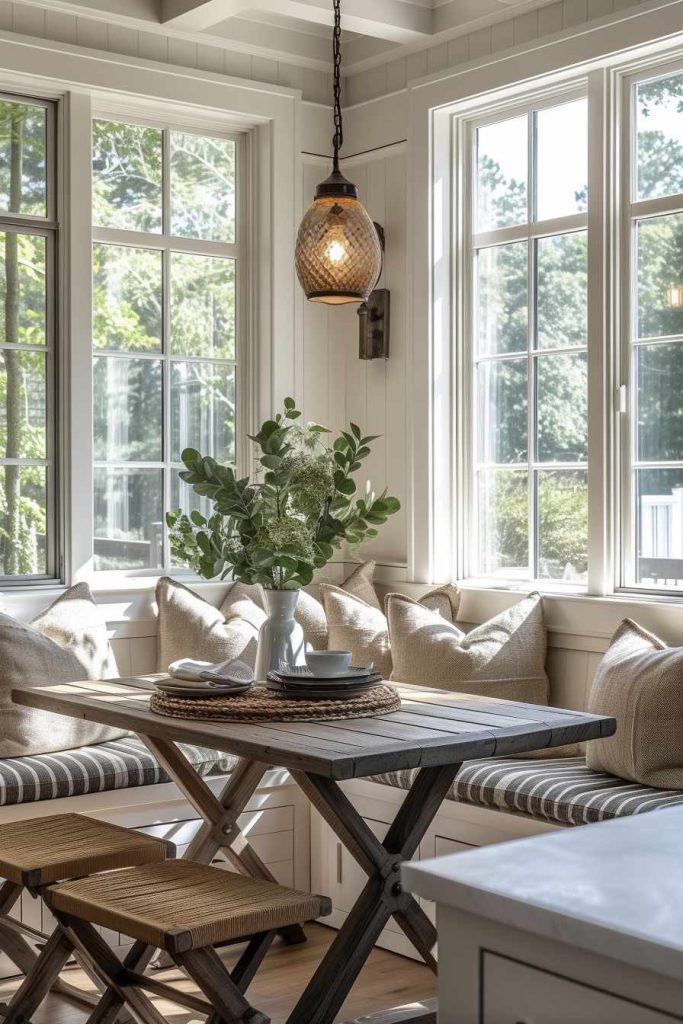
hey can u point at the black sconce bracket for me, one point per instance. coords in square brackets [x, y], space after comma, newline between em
[373, 322]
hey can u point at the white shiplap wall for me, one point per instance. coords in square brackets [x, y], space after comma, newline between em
[97, 34]
[338, 387]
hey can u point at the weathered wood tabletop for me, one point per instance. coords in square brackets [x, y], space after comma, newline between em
[435, 731]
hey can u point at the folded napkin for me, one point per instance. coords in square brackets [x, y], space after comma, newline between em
[224, 673]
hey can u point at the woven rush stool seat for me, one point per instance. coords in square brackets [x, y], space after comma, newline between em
[39, 851]
[181, 907]
[178, 905]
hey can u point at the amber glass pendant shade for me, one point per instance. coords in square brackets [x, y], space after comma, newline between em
[338, 252]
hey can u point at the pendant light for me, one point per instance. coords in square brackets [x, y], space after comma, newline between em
[338, 248]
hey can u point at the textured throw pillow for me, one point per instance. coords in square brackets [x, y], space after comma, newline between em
[310, 613]
[503, 658]
[640, 683]
[356, 626]
[66, 643]
[190, 627]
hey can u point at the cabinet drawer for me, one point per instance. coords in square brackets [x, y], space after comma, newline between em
[514, 993]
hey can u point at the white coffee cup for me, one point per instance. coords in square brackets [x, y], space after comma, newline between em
[328, 664]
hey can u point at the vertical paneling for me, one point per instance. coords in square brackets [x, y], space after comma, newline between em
[338, 386]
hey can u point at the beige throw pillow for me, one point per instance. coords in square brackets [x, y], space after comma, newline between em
[66, 643]
[190, 627]
[503, 658]
[640, 682]
[356, 626]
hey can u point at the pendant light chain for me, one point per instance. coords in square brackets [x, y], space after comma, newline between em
[338, 140]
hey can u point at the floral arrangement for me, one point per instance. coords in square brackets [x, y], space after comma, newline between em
[278, 529]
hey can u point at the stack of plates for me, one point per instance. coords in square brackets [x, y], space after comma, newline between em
[301, 682]
[200, 688]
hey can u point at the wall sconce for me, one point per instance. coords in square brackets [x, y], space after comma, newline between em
[373, 326]
[674, 296]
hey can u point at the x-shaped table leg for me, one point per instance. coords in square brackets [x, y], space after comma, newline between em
[382, 896]
[220, 830]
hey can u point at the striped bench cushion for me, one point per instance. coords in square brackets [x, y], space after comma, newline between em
[116, 765]
[552, 789]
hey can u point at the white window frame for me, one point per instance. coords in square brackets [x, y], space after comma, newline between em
[529, 233]
[631, 210]
[167, 243]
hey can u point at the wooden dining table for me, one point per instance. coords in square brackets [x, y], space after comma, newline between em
[434, 732]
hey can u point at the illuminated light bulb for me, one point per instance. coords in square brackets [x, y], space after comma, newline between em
[336, 251]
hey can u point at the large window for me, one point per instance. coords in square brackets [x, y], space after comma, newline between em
[527, 338]
[653, 498]
[165, 335]
[28, 521]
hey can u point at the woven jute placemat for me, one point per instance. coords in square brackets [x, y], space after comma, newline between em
[261, 705]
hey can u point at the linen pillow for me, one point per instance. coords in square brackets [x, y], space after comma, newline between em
[503, 658]
[190, 627]
[310, 613]
[66, 643]
[356, 626]
[640, 682]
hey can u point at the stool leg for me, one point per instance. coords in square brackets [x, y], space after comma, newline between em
[248, 964]
[109, 1008]
[208, 971]
[42, 977]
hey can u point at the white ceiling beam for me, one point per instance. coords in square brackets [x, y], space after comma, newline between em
[396, 20]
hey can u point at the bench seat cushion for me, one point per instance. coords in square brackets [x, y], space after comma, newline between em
[560, 790]
[115, 765]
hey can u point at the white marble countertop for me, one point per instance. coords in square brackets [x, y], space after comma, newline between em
[614, 888]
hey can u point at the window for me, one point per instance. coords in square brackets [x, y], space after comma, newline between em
[653, 498]
[28, 535]
[528, 343]
[165, 327]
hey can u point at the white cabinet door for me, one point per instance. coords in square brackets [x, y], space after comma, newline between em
[514, 993]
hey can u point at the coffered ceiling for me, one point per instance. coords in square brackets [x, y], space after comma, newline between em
[299, 30]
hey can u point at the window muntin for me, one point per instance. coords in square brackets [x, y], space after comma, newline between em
[653, 492]
[28, 531]
[529, 345]
[165, 327]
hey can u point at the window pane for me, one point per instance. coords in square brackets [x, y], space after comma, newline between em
[563, 525]
[504, 523]
[562, 291]
[22, 289]
[128, 518]
[183, 496]
[562, 415]
[202, 306]
[203, 410]
[22, 404]
[660, 276]
[562, 160]
[659, 131]
[126, 176]
[127, 298]
[502, 410]
[202, 187]
[659, 527]
[23, 144]
[659, 370]
[127, 409]
[502, 174]
[502, 299]
[23, 520]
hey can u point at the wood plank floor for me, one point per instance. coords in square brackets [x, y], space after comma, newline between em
[387, 980]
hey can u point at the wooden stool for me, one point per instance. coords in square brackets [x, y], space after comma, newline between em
[39, 851]
[183, 908]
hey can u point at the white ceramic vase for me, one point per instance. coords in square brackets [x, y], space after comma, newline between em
[281, 638]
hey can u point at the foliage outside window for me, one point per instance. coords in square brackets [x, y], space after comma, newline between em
[164, 328]
[655, 453]
[529, 344]
[27, 245]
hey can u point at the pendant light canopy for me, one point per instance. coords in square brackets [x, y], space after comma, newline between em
[338, 249]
